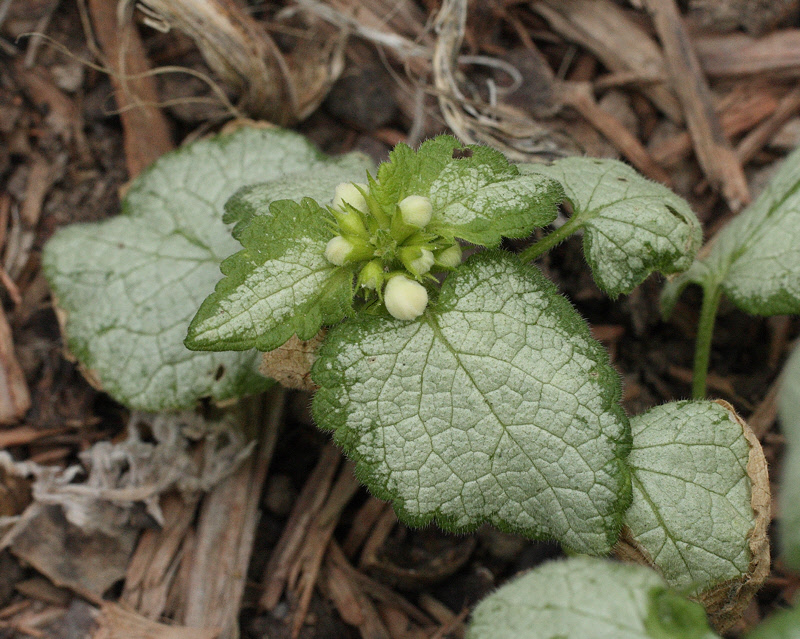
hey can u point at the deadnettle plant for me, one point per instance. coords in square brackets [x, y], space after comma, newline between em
[466, 390]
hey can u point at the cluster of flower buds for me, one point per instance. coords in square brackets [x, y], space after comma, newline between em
[394, 250]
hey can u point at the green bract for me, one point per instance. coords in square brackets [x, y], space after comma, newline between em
[129, 286]
[631, 226]
[495, 405]
[585, 598]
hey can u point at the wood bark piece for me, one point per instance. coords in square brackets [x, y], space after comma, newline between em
[603, 28]
[157, 557]
[736, 54]
[714, 153]
[118, 622]
[365, 519]
[15, 398]
[579, 97]
[754, 141]
[20, 240]
[378, 591]
[146, 133]
[735, 120]
[308, 504]
[304, 573]
[226, 529]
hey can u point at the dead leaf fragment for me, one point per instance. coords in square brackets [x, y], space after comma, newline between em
[290, 364]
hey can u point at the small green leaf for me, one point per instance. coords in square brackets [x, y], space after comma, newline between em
[691, 514]
[756, 258]
[496, 405]
[281, 284]
[789, 408]
[585, 598]
[476, 194]
[318, 184]
[632, 226]
[130, 285]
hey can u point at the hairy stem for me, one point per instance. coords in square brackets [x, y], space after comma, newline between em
[550, 240]
[705, 330]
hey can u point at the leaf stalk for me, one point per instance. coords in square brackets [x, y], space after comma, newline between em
[552, 239]
[705, 330]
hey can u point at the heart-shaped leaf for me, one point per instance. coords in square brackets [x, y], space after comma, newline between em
[631, 226]
[129, 286]
[496, 405]
[700, 505]
[585, 598]
[756, 258]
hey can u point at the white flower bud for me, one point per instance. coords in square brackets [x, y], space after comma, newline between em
[347, 192]
[337, 250]
[423, 263]
[416, 210]
[405, 299]
[449, 257]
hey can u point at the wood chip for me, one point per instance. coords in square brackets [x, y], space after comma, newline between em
[579, 97]
[736, 118]
[604, 28]
[365, 519]
[714, 152]
[753, 142]
[146, 131]
[308, 504]
[777, 54]
[117, 622]
[226, 529]
[304, 573]
[157, 557]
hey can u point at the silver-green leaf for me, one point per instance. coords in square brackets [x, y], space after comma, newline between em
[476, 194]
[789, 407]
[496, 405]
[756, 258]
[280, 285]
[586, 598]
[129, 286]
[692, 515]
[631, 226]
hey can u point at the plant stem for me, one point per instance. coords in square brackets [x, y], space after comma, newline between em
[549, 241]
[705, 330]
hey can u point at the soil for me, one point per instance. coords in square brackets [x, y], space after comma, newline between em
[65, 158]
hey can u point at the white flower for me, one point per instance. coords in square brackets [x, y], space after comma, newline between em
[405, 299]
[348, 192]
[416, 210]
[337, 250]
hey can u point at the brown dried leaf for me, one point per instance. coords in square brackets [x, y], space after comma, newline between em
[290, 364]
